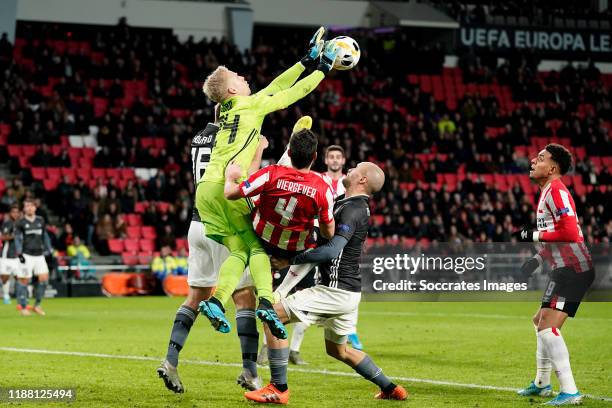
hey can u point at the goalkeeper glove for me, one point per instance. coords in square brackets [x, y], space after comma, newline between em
[314, 47]
[328, 56]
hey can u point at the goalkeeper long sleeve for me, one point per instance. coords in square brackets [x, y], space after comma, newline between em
[284, 80]
[284, 98]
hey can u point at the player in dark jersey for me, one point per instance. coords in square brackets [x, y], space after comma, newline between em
[9, 263]
[334, 301]
[32, 243]
[558, 230]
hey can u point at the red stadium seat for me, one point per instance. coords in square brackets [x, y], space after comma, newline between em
[14, 150]
[182, 244]
[133, 220]
[50, 184]
[68, 171]
[131, 245]
[128, 174]
[115, 246]
[129, 259]
[113, 173]
[29, 150]
[148, 232]
[53, 173]
[163, 207]
[38, 173]
[147, 245]
[98, 173]
[133, 232]
[141, 207]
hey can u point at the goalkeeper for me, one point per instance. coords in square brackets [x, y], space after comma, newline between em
[228, 222]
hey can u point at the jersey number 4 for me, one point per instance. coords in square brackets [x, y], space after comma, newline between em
[285, 209]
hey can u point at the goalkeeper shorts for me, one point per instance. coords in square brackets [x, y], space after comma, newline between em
[222, 217]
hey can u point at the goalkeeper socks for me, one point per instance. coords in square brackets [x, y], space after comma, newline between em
[557, 351]
[370, 371]
[246, 325]
[297, 336]
[40, 292]
[21, 293]
[279, 359]
[185, 316]
[543, 363]
[261, 272]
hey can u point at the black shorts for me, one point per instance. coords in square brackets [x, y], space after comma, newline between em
[566, 288]
[306, 282]
[278, 252]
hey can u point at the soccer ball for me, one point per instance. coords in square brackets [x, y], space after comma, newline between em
[349, 53]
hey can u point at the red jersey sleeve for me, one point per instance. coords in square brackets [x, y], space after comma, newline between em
[564, 217]
[326, 205]
[256, 183]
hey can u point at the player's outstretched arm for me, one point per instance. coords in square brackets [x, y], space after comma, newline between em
[303, 87]
[324, 253]
[256, 163]
[288, 78]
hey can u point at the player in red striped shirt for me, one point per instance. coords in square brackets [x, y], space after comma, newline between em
[335, 161]
[290, 199]
[572, 272]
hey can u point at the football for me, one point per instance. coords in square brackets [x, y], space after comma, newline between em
[349, 53]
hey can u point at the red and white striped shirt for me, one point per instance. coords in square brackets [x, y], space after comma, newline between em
[558, 227]
[289, 202]
[337, 185]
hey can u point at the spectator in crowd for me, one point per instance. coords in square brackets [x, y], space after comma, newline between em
[164, 264]
[181, 262]
[79, 256]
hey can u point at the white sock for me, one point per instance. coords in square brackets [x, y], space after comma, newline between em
[543, 363]
[557, 351]
[297, 336]
[5, 289]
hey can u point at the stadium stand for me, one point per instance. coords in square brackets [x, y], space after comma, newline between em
[101, 133]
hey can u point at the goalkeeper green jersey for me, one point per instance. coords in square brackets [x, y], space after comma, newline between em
[241, 118]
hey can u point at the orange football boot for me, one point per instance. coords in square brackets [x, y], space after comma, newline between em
[268, 394]
[399, 393]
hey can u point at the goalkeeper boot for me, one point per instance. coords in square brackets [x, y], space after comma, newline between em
[398, 393]
[248, 382]
[305, 122]
[262, 357]
[268, 394]
[265, 312]
[534, 390]
[214, 312]
[566, 399]
[169, 374]
[355, 342]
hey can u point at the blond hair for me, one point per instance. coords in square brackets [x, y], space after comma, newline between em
[215, 84]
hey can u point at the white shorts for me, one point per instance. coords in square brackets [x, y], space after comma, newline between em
[34, 265]
[334, 309]
[9, 266]
[205, 259]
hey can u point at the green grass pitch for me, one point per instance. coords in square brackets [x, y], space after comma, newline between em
[469, 343]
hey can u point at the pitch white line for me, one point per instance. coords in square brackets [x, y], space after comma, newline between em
[300, 370]
[475, 315]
